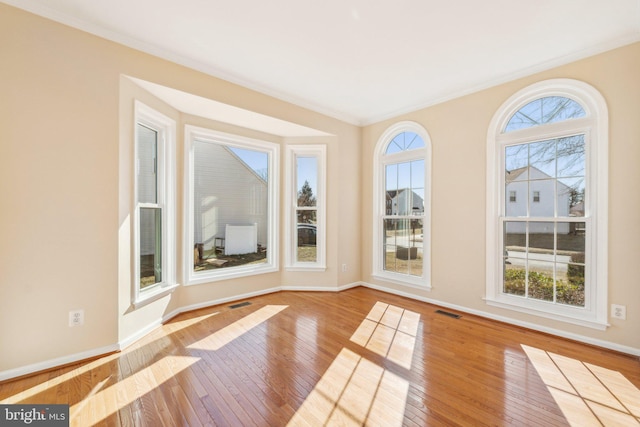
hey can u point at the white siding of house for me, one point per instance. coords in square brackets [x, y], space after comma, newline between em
[403, 204]
[226, 191]
[524, 187]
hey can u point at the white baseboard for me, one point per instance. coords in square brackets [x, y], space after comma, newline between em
[59, 361]
[301, 288]
[528, 325]
[234, 298]
[219, 301]
[139, 334]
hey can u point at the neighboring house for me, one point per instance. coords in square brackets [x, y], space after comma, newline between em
[399, 201]
[220, 171]
[529, 184]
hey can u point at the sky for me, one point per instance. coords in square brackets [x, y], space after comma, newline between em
[259, 161]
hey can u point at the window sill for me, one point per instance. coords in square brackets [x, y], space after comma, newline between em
[153, 295]
[573, 315]
[302, 267]
[417, 282]
[231, 273]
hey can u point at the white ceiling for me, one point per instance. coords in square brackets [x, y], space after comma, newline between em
[358, 60]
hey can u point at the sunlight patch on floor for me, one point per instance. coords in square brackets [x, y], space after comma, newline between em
[102, 403]
[224, 336]
[353, 392]
[389, 331]
[60, 379]
[587, 394]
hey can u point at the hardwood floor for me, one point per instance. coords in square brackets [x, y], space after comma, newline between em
[350, 358]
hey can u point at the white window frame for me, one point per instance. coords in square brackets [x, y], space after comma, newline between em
[318, 151]
[193, 133]
[595, 128]
[380, 161]
[166, 193]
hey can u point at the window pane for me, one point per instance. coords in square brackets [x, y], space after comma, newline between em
[515, 241]
[545, 110]
[230, 194]
[405, 141]
[540, 280]
[515, 258]
[390, 231]
[570, 284]
[390, 227]
[403, 246]
[150, 246]
[516, 199]
[541, 198]
[516, 162]
[571, 156]
[404, 175]
[570, 194]
[147, 154]
[542, 159]
[418, 201]
[306, 232]
[541, 240]
[307, 180]
[571, 242]
[514, 278]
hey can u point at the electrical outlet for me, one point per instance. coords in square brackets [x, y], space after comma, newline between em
[76, 318]
[619, 311]
[344, 268]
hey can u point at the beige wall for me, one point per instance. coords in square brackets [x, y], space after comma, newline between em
[458, 131]
[66, 151]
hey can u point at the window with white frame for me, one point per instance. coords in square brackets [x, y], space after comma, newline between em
[231, 207]
[154, 214]
[401, 234]
[305, 236]
[547, 252]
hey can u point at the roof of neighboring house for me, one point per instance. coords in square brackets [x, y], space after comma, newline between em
[512, 175]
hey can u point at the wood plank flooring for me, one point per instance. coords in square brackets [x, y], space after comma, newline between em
[358, 357]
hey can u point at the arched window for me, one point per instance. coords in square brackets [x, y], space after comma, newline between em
[401, 235]
[546, 185]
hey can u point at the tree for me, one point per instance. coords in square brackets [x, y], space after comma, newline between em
[305, 195]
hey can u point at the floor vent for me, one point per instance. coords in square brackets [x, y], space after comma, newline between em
[240, 304]
[446, 313]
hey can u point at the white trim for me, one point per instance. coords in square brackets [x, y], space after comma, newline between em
[595, 128]
[319, 151]
[166, 189]
[218, 301]
[155, 294]
[193, 133]
[138, 335]
[508, 320]
[379, 161]
[303, 288]
[57, 362]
